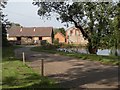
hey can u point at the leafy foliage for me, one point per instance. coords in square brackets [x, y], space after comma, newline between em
[61, 30]
[4, 36]
[15, 24]
[115, 40]
[4, 24]
[92, 18]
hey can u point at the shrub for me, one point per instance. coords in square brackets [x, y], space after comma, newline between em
[49, 46]
[56, 42]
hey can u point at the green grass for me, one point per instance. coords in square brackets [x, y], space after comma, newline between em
[113, 60]
[0, 54]
[17, 75]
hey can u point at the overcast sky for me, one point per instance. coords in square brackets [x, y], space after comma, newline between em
[25, 13]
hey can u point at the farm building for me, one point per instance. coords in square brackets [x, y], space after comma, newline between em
[74, 36]
[60, 37]
[30, 35]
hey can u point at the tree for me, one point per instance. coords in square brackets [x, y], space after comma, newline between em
[15, 24]
[62, 30]
[4, 39]
[114, 41]
[4, 24]
[91, 18]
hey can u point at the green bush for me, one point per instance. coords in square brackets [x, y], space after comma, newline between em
[49, 47]
[56, 42]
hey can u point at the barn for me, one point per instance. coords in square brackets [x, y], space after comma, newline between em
[30, 35]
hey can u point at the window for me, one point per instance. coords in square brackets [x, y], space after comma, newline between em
[29, 37]
[71, 32]
[40, 38]
[18, 38]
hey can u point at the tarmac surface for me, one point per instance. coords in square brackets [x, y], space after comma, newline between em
[71, 72]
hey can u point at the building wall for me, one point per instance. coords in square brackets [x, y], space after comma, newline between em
[43, 38]
[35, 38]
[74, 36]
[11, 38]
[25, 40]
[49, 39]
[60, 37]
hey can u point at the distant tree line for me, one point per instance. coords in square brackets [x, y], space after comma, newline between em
[61, 30]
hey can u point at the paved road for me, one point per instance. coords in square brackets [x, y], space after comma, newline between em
[71, 72]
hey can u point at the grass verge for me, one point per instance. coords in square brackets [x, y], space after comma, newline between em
[112, 60]
[17, 75]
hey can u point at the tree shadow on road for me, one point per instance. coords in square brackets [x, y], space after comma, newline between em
[78, 76]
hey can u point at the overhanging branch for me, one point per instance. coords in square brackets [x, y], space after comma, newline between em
[80, 27]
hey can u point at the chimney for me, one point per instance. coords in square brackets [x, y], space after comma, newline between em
[34, 29]
[21, 29]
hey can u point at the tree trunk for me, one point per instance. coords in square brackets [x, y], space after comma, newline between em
[92, 49]
[116, 54]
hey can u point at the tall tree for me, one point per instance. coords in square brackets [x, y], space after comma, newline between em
[114, 41]
[91, 18]
[4, 24]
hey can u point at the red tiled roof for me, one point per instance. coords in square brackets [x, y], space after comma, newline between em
[30, 31]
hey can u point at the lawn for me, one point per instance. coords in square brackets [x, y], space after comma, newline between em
[17, 75]
[112, 60]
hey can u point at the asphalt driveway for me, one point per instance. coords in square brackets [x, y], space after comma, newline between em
[71, 72]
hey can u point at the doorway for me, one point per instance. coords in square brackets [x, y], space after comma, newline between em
[40, 38]
[18, 38]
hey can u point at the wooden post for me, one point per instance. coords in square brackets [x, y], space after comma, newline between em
[23, 58]
[42, 66]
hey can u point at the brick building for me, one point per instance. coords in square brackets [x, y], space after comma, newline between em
[60, 37]
[27, 35]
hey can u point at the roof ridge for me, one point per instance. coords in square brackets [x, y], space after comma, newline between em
[38, 27]
[27, 31]
[60, 33]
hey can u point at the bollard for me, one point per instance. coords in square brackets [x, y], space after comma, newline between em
[23, 58]
[42, 66]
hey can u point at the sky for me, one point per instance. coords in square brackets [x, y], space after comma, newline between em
[25, 13]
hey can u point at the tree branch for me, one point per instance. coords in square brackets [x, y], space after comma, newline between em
[80, 27]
